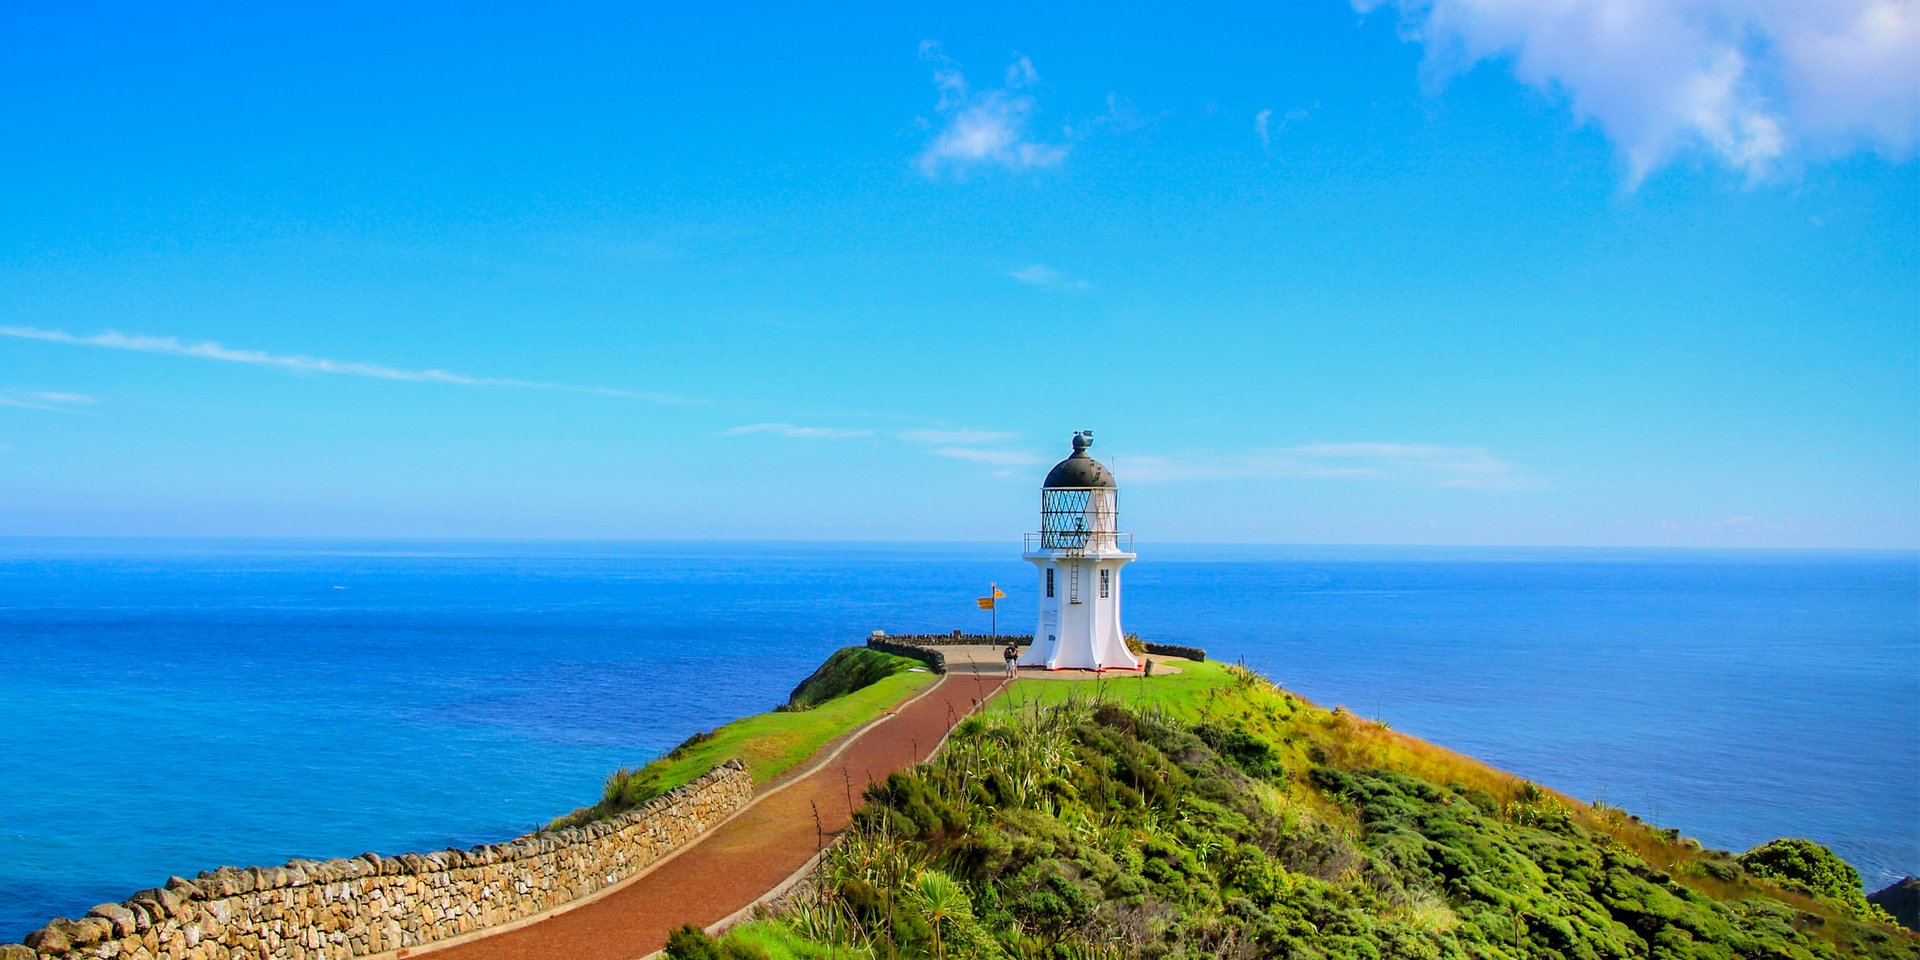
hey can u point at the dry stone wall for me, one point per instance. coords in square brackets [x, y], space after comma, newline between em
[958, 639]
[934, 659]
[915, 645]
[313, 910]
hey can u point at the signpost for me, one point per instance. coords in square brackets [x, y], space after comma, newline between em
[993, 613]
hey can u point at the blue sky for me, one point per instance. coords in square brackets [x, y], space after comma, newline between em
[1642, 272]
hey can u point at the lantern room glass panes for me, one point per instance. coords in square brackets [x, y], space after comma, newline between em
[1078, 520]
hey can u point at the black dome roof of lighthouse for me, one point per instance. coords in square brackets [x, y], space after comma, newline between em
[1079, 470]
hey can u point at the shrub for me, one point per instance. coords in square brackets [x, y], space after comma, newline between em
[691, 943]
[849, 669]
[1815, 869]
[1090, 829]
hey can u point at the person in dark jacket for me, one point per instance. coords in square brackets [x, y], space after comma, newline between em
[1010, 654]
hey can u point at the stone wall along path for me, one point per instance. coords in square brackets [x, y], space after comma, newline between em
[371, 905]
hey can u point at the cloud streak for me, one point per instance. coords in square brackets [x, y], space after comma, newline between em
[1750, 83]
[1422, 464]
[796, 432]
[1048, 278]
[960, 437]
[1264, 127]
[977, 446]
[301, 363]
[1002, 458]
[49, 401]
[1417, 464]
[984, 128]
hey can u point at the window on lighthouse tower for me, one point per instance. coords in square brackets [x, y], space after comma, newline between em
[1049, 581]
[1105, 578]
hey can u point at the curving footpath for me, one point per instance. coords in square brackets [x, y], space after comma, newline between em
[734, 865]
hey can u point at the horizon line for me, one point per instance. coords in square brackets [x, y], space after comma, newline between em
[400, 539]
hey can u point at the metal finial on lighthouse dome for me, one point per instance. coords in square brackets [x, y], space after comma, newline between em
[1079, 471]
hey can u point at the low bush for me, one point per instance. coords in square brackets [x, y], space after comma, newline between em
[1815, 869]
[1240, 822]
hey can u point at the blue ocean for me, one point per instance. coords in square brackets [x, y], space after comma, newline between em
[172, 706]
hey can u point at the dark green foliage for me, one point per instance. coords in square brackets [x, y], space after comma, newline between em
[1812, 867]
[1092, 830]
[849, 669]
[884, 910]
[690, 943]
[1242, 749]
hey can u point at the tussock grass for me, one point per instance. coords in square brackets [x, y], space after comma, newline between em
[1223, 817]
[1230, 693]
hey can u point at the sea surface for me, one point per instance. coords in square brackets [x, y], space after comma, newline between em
[173, 706]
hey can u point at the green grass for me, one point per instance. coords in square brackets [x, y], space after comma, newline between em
[769, 743]
[1309, 735]
[848, 670]
[1184, 694]
[1214, 815]
[760, 940]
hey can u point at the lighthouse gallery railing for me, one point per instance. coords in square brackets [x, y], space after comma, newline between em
[1079, 541]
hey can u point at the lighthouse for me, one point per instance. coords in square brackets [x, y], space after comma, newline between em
[1079, 552]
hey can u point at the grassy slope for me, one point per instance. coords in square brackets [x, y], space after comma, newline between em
[1207, 692]
[770, 743]
[848, 670]
[1290, 830]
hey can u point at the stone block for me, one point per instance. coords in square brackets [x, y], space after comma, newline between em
[123, 921]
[51, 938]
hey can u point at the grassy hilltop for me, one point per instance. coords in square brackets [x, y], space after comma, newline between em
[852, 687]
[1212, 814]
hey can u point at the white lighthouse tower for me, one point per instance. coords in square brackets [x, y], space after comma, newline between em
[1079, 552]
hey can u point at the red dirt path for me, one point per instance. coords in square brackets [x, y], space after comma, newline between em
[734, 864]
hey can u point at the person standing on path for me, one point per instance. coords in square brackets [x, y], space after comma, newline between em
[1010, 654]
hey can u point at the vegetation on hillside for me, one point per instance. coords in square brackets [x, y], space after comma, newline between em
[769, 743]
[849, 669]
[1813, 868]
[1213, 815]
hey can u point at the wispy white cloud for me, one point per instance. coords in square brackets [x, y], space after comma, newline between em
[978, 446]
[960, 437]
[1265, 128]
[1748, 82]
[48, 400]
[797, 432]
[1020, 73]
[1121, 116]
[19, 404]
[1739, 523]
[1003, 458]
[1048, 278]
[984, 128]
[49, 396]
[1425, 464]
[301, 363]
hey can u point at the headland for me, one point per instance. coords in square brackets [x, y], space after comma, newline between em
[907, 803]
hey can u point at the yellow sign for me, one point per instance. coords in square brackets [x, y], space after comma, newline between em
[986, 603]
[998, 593]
